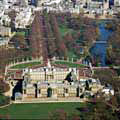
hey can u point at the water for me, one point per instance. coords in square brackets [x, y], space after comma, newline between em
[111, 2]
[34, 2]
[99, 49]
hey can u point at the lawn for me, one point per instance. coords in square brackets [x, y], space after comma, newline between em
[39, 110]
[21, 66]
[71, 54]
[20, 33]
[69, 64]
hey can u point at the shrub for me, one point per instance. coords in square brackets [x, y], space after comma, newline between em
[4, 100]
[4, 87]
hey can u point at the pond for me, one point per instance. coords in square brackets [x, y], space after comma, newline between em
[98, 50]
[33, 2]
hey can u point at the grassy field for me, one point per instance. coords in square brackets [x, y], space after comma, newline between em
[20, 33]
[39, 110]
[69, 64]
[20, 66]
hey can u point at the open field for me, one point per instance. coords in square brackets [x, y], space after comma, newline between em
[39, 110]
[24, 65]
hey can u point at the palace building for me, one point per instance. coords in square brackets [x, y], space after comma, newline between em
[55, 82]
[51, 81]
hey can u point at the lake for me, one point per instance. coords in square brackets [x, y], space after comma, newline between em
[99, 49]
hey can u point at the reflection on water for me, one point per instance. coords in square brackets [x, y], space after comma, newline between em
[99, 49]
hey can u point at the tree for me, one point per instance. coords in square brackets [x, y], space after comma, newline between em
[105, 75]
[113, 51]
[60, 114]
[12, 14]
[100, 110]
[4, 87]
[36, 37]
[57, 35]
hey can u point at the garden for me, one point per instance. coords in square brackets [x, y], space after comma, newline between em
[25, 65]
[69, 64]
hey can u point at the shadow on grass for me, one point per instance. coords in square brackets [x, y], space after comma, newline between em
[84, 109]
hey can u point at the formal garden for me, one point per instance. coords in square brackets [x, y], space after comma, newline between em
[25, 65]
[69, 64]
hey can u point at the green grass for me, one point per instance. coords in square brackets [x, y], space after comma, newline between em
[38, 110]
[69, 64]
[71, 54]
[20, 33]
[21, 66]
[63, 30]
[4, 100]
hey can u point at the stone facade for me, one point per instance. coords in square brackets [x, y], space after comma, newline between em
[5, 31]
[56, 90]
[51, 82]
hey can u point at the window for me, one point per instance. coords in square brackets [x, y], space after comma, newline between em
[24, 91]
[39, 91]
[66, 90]
[60, 90]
